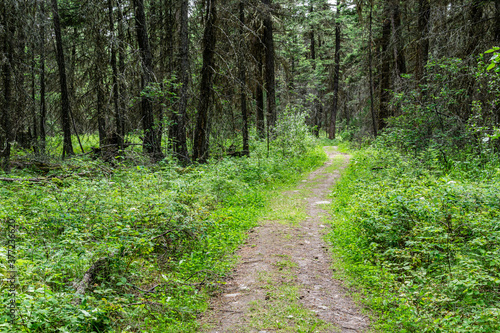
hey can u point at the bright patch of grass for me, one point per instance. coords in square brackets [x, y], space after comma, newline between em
[281, 310]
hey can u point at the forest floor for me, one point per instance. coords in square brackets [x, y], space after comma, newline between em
[283, 281]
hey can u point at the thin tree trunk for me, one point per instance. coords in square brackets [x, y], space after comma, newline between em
[259, 92]
[270, 75]
[475, 15]
[180, 146]
[100, 56]
[384, 75]
[200, 146]
[152, 146]
[336, 75]
[121, 70]
[65, 104]
[243, 96]
[101, 122]
[34, 139]
[497, 21]
[118, 135]
[6, 134]
[43, 104]
[316, 118]
[424, 11]
[370, 70]
[18, 117]
[399, 58]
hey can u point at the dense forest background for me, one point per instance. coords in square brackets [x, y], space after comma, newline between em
[190, 78]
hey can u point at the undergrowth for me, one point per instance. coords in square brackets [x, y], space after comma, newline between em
[162, 235]
[421, 242]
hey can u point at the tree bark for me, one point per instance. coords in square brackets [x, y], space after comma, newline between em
[65, 104]
[121, 73]
[34, 136]
[424, 12]
[116, 95]
[399, 57]
[200, 146]
[151, 142]
[384, 74]
[179, 128]
[497, 21]
[336, 75]
[475, 15]
[259, 93]
[243, 96]
[6, 134]
[100, 57]
[316, 105]
[43, 104]
[370, 70]
[270, 75]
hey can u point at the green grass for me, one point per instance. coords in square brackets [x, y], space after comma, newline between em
[282, 311]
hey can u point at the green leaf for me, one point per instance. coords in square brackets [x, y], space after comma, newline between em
[491, 66]
[495, 48]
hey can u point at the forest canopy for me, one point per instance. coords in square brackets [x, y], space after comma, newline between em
[194, 78]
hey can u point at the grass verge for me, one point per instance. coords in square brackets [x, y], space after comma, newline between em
[422, 246]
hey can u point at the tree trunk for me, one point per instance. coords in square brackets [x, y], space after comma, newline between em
[151, 143]
[43, 104]
[399, 58]
[270, 76]
[475, 15]
[259, 92]
[424, 12]
[336, 75]
[370, 69]
[100, 57]
[118, 135]
[243, 96]
[316, 105]
[384, 75]
[497, 21]
[121, 73]
[65, 104]
[101, 121]
[200, 146]
[179, 140]
[6, 134]
[34, 138]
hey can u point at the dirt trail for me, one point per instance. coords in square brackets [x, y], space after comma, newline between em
[283, 282]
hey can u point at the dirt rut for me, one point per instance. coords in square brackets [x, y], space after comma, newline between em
[283, 282]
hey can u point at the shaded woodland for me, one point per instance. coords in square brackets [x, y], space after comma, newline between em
[141, 140]
[194, 78]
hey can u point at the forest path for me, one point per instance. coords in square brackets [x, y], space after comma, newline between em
[283, 281]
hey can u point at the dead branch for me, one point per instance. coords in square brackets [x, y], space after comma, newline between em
[41, 179]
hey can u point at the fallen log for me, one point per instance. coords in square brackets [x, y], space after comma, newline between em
[100, 267]
[41, 179]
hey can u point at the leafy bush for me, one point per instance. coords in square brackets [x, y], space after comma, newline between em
[164, 231]
[452, 116]
[425, 246]
[292, 136]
